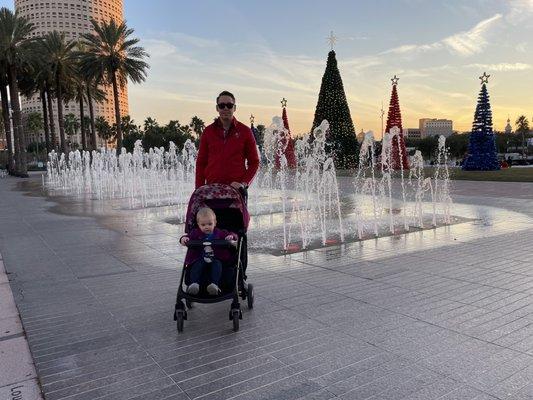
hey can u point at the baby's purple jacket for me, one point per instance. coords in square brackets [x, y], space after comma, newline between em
[222, 253]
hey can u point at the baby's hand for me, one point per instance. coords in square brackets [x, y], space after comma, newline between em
[184, 240]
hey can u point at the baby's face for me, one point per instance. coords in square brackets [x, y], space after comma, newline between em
[206, 224]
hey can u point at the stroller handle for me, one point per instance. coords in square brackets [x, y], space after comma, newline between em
[215, 242]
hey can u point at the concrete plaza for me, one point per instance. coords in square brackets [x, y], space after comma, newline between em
[444, 313]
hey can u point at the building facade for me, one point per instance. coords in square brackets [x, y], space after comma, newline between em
[435, 127]
[411, 133]
[73, 18]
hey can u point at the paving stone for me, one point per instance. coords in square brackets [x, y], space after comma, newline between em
[418, 316]
[28, 389]
[111, 384]
[9, 327]
[437, 389]
[15, 361]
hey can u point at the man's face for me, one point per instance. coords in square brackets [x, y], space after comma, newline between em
[224, 112]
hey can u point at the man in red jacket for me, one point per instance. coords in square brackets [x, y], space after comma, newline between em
[228, 153]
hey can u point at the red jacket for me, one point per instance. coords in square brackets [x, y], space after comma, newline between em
[222, 159]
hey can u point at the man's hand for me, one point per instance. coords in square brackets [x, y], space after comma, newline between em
[236, 185]
[184, 240]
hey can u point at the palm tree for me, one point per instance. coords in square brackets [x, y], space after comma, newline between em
[72, 125]
[43, 83]
[80, 96]
[522, 127]
[5, 119]
[128, 125]
[113, 57]
[197, 126]
[34, 124]
[60, 55]
[94, 94]
[14, 31]
[35, 79]
[49, 100]
[104, 130]
[150, 124]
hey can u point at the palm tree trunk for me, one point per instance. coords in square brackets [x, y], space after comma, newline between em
[91, 114]
[7, 128]
[82, 125]
[45, 121]
[53, 138]
[19, 138]
[59, 96]
[117, 114]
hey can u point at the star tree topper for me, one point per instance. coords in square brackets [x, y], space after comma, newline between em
[284, 102]
[252, 118]
[484, 78]
[332, 39]
[395, 80]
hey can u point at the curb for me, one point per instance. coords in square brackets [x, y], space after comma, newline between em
[18, 379]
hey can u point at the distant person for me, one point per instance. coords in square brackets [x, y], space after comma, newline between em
[228, 152]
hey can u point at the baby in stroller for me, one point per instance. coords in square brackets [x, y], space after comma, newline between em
[208, 257]
[214, 282]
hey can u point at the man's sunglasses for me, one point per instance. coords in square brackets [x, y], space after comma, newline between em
[229, 106]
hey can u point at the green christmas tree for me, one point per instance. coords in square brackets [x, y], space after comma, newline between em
[332, 106]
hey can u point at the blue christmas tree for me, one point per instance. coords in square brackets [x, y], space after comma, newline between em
[482, 155]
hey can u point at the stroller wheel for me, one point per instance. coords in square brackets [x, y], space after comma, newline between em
[235, 315]
[180, 316]
[250, 296]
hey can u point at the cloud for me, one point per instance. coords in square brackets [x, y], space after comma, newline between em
[502, 67]
[353, 38]
[519, 11]
[361, 63]
[472, 41]
[161, 49]
[413, 48]
[463, 43]
[195, 41]
[521, 47]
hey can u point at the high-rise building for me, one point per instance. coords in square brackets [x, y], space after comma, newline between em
[435, 127]
[73, 18]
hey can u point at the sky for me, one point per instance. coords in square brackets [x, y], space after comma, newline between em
[263, 51]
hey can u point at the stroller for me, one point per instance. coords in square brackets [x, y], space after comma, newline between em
[229, 205]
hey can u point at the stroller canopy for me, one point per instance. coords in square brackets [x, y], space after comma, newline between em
[218, 197]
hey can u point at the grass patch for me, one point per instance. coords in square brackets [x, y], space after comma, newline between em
[513, 174]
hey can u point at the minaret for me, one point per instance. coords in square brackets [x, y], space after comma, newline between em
[508, 127]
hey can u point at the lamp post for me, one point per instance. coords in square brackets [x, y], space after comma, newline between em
[382, 114]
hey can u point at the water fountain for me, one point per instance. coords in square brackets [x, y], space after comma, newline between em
[293, 209]
[145, 179]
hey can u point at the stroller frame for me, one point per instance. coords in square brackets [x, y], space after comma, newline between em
[241, 288]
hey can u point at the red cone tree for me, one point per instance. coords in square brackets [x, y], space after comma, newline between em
[394, 118]
[289, 148]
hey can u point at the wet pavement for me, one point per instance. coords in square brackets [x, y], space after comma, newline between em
[442, 313]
